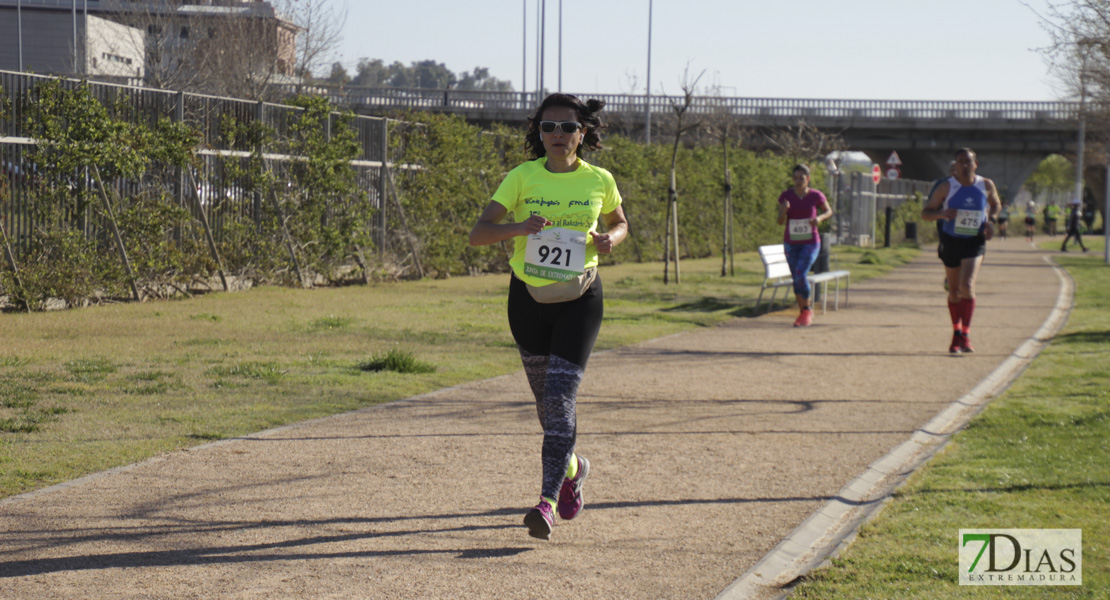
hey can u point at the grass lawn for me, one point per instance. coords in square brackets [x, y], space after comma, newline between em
[1038, 457]
[86, 390]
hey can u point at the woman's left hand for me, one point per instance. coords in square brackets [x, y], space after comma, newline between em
[602, 242]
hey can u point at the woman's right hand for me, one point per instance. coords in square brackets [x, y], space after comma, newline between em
[534, 224]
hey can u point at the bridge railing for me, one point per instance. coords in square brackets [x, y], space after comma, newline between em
[755, 108]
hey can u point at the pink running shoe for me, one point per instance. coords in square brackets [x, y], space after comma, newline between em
[805, 319]
[540, 520]
[570, 496]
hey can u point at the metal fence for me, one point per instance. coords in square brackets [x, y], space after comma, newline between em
[473, 101]
[862, 206]
[226, 198]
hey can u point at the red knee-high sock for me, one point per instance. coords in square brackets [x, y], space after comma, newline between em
[967, 306]
[956, 311]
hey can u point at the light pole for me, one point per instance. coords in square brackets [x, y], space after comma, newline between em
[543, 40]
[647, 96]
[1106, 215]
[560, 46]
[75, 37]
[19, 27]
[524, 56]
[832, 166]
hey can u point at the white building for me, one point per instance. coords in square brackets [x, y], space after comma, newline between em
[54, 39]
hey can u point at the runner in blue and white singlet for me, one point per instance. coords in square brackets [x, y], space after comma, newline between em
[966, 205]
[970, 203]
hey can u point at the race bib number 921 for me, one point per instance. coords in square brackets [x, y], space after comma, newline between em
[557, 254]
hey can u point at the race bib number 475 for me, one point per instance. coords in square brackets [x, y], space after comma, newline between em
[557, 254]
[968, 222]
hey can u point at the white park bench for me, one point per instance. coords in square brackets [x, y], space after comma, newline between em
[776, 274]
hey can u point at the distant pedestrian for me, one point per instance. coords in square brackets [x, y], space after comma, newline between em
[1073, 226]
[1089, 218]
[967, 203]
[1051, 213]
[798, 210]
[1003, 221]
[555, 296]
[1030, 220]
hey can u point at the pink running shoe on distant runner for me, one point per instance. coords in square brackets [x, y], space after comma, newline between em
[540, 520]
[805, 319]
[570, 496]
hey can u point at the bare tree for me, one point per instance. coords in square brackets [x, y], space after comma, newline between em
[804, 142]
[165, 43]
[726, 127]
[233, 48]
[319, 32]
[1079, 53]
[680, 109]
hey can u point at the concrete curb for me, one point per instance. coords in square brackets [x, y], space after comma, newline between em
[826, 532]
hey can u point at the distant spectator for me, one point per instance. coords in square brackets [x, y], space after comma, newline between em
[1003, 221]
[1051, 212]
[1030, 220]
[1073, 226]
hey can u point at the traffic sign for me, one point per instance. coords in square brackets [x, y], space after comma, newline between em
[876, 173]
[893, 159]
[893, 173]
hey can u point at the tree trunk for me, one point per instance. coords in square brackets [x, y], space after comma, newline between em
[288, 239]
[195, 195]
[404, 222]
[14, 266]
[667, 244]
[672, 200]
[115, 233]
[726, 239]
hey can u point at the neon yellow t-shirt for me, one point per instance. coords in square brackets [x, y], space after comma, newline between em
[572, 200]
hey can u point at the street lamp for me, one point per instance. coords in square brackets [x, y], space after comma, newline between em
[1085, 46]
[647, 97]
[19, 26]
[832, 166]
[524, 57]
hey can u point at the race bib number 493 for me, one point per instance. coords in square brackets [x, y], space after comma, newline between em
[800, 230]
[557, 254]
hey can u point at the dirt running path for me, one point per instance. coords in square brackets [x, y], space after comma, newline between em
[707, 448]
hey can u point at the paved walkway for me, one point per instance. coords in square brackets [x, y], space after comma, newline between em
[709, 448]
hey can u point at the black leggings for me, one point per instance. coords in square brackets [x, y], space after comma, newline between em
[555, 341]
[564, 329]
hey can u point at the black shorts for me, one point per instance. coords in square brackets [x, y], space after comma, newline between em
[953, 250]
[1030, 221]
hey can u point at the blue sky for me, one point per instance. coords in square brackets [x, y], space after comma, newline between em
[877, 49]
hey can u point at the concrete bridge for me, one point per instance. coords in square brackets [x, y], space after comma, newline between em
[1011, 138]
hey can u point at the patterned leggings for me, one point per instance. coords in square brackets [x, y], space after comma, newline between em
[555, 341]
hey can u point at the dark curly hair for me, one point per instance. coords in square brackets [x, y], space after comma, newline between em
[587, 116]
